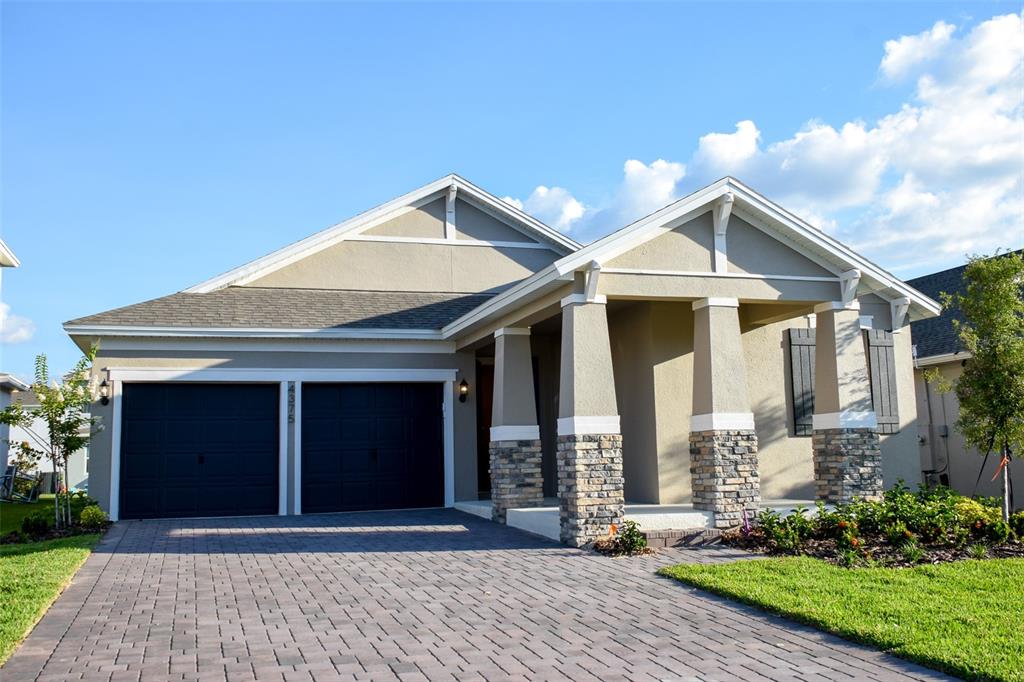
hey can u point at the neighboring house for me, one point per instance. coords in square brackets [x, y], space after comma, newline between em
[943, 451]
[446, 346]
[8, 383]
[9, 387]
[37, 435]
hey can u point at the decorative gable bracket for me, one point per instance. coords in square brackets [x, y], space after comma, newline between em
[721, 214]
[899, 308]
[449, 212]
[848, 283]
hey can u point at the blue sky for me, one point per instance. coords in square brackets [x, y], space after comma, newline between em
[148, 146]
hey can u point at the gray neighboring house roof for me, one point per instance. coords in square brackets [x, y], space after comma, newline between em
[279, 308]
[936, 335]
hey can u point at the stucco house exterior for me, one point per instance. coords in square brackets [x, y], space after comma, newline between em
[8, 383]
[446, 346]
[947, 459]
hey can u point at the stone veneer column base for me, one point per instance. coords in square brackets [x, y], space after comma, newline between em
[847, 465]
[724, 475]
[590, 486]
[516, 477]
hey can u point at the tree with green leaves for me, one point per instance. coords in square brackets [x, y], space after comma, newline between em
[991, 387]
[64, 409]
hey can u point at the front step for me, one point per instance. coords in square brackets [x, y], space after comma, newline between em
[693, 537]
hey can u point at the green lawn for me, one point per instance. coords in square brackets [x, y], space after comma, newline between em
[11, 513]
[31, 577]
[963, 618]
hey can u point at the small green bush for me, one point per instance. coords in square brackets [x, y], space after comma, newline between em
[36, 524]
[1017, 524]
[998, 533]
[94, 518]
[629, 539]
[977, 551]
[912, 552]
[898, 534]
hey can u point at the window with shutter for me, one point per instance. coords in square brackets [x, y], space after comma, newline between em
[880, 351]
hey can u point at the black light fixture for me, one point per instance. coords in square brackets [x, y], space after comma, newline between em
[463, 390]
[104, 392]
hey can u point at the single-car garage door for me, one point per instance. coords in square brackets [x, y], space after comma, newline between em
[199, 450]
[371, 446]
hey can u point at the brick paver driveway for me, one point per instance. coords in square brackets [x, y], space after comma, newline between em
[435, 595]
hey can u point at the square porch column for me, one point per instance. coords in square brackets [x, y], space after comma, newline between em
[515, 447]
[590, 482]
[847, 453]
[723, 443]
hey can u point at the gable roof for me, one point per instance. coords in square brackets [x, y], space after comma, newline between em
[936, 336]
[7, 257]
[482, 199]
[754, 208]
[260, 311]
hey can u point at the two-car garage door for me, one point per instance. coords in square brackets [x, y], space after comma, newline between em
[213, 449]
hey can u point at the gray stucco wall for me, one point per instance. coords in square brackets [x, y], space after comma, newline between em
[464, 413]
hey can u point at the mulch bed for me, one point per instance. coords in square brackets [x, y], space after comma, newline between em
[16, 537]
[875, 548]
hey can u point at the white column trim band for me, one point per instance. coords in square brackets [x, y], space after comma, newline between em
[716, 302]
[848, 419]
[577, 299]
[722, 421]
[513, 432]
[512, 331]
[830, 306]
[584, 426]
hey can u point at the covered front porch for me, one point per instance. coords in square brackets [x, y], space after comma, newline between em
[657, 367]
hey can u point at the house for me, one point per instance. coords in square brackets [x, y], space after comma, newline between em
[8, 383]
[947, 459]
[37, 435]
[446, 347]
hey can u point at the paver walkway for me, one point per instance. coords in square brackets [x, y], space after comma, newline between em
[423, 595]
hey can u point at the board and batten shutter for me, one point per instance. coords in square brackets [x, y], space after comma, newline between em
[880, 351]
[882, 365]
[801, 362]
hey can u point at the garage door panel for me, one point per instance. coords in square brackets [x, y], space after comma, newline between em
[377, 457]
[199, 450]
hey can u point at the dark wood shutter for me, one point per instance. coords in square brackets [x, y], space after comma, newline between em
[801, 360]
[878, 345]
[880, 352]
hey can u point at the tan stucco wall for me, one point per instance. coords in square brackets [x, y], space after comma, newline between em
[426, 221]
[719, 381]
[754, 252]
[394, 266]
[473, 223]
[647, 286]
[689, 247]
[587, 383]
[950, 454]
[464, 417]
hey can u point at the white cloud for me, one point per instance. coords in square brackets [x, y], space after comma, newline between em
[907, 52]
[14, 328]
[939, 177]
[551, 205]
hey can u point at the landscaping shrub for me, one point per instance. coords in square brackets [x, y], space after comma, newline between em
[93, 518]
[904, 528]
[35, 525]
[627, 539]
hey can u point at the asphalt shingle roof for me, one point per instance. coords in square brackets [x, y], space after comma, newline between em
[280, 308]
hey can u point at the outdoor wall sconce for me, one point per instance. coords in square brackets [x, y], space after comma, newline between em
[104, 392]
[463, 390]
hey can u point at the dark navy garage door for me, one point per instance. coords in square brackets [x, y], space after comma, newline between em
[371, 446]
[199, 450]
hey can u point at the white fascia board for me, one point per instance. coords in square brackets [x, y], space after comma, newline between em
[368, 219]
[453, 242]
[278, 374]
[158, 344]
[942, 359]
[7, 257]
[12, 382]
[249, 333]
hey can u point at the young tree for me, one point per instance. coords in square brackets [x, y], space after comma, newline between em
[991, 387]
[64, 408]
